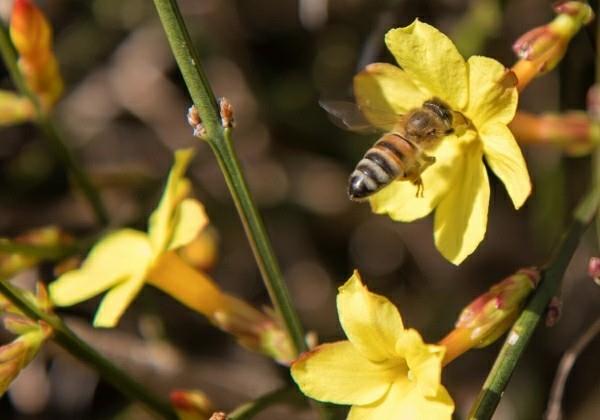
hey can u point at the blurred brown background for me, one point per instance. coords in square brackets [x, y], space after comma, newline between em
[124, 111]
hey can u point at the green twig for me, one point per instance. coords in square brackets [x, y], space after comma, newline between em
[81, 350]
[521, 332]
[221, 144]
[50, 131]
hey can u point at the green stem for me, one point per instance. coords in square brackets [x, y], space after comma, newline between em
[221, 144]
[84, 352]
[50, 131]
[521, 332]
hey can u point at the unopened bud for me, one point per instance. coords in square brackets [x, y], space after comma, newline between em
[594, 269]
[15, 356]
[576, 9]
[534, 43]
[31, 34]
[219, 415]
[29, 29]
[491, 314]
[254, 329]
[191, 404]
[543, 47]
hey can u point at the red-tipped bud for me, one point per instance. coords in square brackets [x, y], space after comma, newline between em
[535, 43]
[31, 34]
[29, 29]
[576, 9]
[191, 404]
[15, 356]
[491, 314]
[594, 269]
[254, 329]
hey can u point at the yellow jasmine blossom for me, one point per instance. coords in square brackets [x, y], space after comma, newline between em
[121, 261]
[457, 184]
[383, 370]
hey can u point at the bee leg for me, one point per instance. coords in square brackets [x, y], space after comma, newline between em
[420, 187]
[195, 121]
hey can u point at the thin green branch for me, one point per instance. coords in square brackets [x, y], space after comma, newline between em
[50, 131]
[521, 332]
[84, 352]
[221, 144]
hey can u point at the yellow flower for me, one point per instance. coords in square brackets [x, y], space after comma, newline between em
[121, 262]
[383, 370]
[456, 185]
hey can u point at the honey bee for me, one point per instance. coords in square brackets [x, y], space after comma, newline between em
[399, 154]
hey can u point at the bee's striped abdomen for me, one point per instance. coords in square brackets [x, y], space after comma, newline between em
[386, 161]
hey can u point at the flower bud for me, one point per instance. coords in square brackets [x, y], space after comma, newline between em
[31, 35]
[15, 356]
[191, 404]
[594, 269]
[542, 48]
[254, 329]
[491, 314]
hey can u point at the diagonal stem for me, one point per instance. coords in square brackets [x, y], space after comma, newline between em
[50, 131]
[221, 144]
[84, 352]
[521, 332]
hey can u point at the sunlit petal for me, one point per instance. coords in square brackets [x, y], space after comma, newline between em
[493, 96]
[338, 373]
[117, 300]
[461, 217]
[399, 199]
[432, 61]
[424, 361]
[404, 402]
[190, 219]
[383, 90]
[370, 321]
[504, 157]
[160, 224]
[113, 259]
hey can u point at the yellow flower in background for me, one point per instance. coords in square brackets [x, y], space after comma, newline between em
[383, 370]
[457, 184]
[121, 262]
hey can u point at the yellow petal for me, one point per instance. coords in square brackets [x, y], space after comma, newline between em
[113, 259]
[160, 226]
[382, 91]
[424, 361]
[493, 96]
[461, 217]
[336, 372]
[404, 402]
[117, 300]
[399, 199]
[190, 219]
[370, 321]
[504, 157]
[432, 61]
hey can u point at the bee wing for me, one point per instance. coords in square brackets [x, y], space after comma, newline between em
[350, 116]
